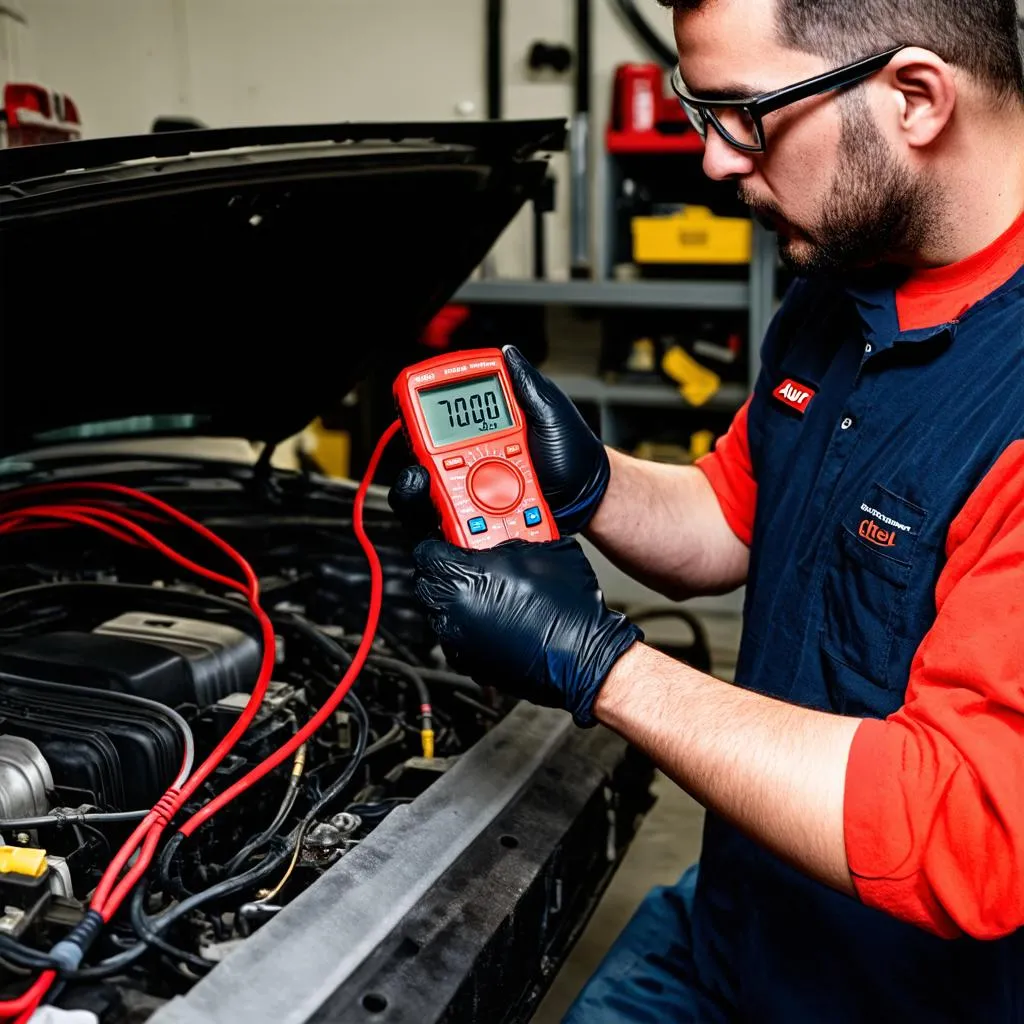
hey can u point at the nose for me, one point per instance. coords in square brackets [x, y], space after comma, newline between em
[723, 162]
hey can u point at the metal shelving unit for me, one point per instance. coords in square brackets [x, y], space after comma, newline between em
[755, 295]
[695, 295]
[616, 399]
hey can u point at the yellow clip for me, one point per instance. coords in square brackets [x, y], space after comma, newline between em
[701, 444]
[15, 860]
[427, 736]
[697, 383]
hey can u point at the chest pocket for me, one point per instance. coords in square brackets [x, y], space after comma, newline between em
[865, 589]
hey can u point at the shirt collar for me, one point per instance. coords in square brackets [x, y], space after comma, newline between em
[874, 297]
[946, 293]
[880, 294]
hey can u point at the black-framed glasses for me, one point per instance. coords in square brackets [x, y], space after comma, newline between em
[741, 121]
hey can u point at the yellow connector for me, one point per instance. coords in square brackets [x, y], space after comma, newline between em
[697, 384]
[427, 735]
[15, 860]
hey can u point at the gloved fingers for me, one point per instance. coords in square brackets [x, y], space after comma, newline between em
[438, 555]
[439, 623]
[534, 392]
[453, 654]
[434, 592]
[443, 572]
[537, 559]
[447, 633]
[410, 501]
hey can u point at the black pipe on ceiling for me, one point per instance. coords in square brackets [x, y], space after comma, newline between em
[579, 148]
[658, 48]
[584, 56]
[495, 52]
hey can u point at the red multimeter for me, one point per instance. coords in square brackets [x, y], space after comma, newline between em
[465, 427]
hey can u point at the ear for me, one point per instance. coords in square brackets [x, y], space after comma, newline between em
[923, 90]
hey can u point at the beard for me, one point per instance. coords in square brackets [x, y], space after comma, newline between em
[876, 208]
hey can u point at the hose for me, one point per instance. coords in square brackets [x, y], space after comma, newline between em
[399, 649]
[481, 709]
[452, 679]
[117, 964]
[391, 737]
[415, 677]
[12, 950]
[73, 818]
[658, 48]
[147, 934]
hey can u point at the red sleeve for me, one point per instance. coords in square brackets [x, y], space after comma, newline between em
[730, 470]
[934, 810]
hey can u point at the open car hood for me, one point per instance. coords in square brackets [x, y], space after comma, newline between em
[237, 282]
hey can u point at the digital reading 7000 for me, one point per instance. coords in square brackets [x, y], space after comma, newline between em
[458, 412]
[465, 427]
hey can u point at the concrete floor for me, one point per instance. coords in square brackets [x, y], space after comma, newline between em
[668, 842]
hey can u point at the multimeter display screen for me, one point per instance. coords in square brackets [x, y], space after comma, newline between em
[465, 411]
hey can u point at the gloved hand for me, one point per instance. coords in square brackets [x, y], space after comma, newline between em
[571, 463]
[527, 618]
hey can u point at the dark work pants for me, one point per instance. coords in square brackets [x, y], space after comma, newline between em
[648, 976]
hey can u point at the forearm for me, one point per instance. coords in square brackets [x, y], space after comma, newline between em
[775, 771]
[663, 526]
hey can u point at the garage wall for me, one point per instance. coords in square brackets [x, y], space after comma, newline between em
[17, 58]
[116, 58]
[244, 62]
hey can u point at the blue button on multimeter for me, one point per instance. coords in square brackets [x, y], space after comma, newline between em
[479, 525]
[532, 517]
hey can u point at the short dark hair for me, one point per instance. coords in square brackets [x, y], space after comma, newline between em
[980, 36]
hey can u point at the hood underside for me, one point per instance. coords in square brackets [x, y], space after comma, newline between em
[237, 282]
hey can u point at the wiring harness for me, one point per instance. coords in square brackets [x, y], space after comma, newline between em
[134, 517]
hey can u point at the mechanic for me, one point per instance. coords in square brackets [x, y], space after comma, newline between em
[864, 846]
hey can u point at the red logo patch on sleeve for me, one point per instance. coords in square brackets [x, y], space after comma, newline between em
[794, 394]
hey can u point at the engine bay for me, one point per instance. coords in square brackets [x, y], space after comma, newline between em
[119, 670]
[199, 820]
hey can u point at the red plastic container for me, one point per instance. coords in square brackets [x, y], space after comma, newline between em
[639, 89]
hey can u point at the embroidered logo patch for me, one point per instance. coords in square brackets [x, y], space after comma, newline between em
[881, 530]
[794, 394]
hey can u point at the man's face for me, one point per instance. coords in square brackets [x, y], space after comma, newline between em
[830, 183]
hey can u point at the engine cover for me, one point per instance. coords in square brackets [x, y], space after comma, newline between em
[166, 658]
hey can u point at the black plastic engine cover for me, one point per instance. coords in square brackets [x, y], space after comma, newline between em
[166, 658]
[102, 749]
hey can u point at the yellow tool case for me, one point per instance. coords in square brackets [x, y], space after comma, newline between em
[695, 235]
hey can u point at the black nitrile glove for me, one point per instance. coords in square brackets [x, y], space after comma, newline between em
[529, 619]
[571, 463]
